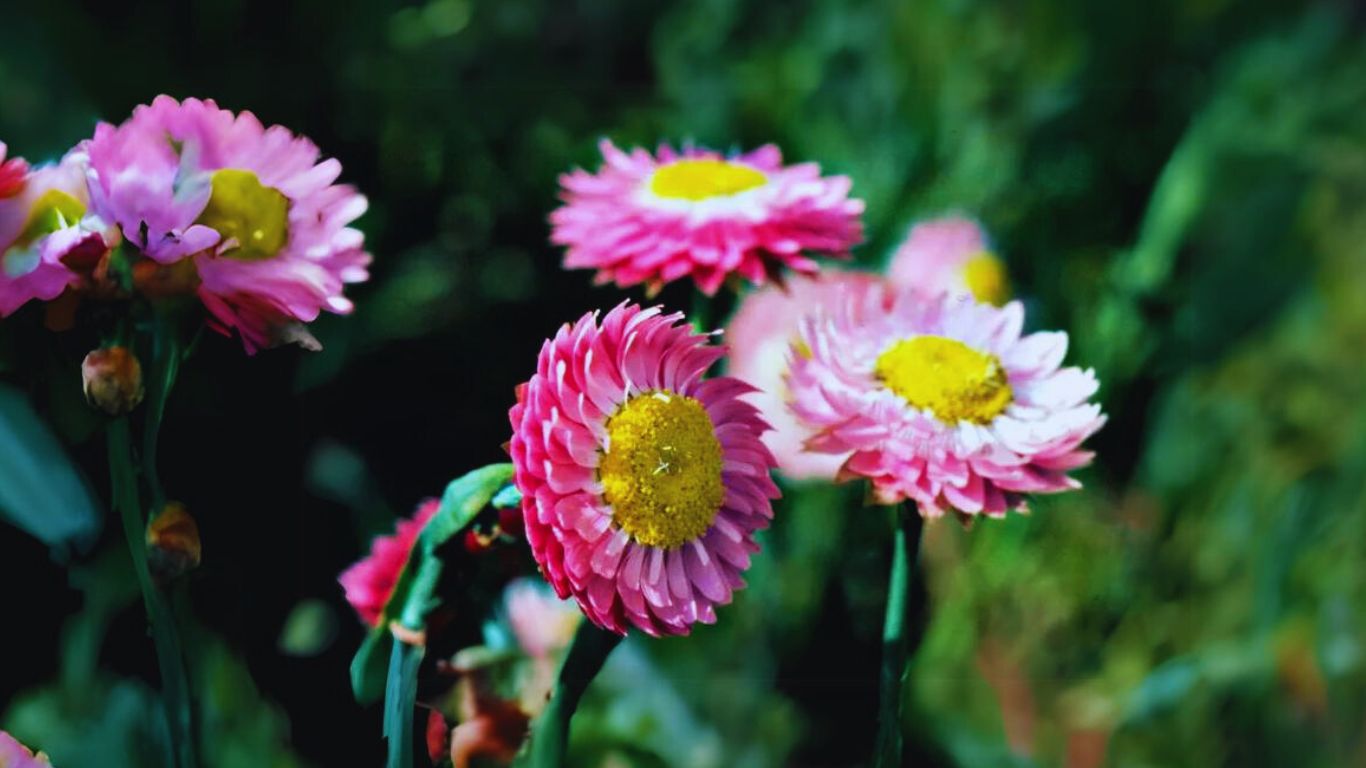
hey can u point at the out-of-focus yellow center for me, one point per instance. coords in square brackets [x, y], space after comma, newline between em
[946, 377]
[986, 277]
[702, 178]
[52, 211]
[662, 469]
[242, 208]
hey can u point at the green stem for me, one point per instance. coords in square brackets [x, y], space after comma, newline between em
[175, 683]
[701, 312]
[904, 554]
[550, 739]
[166, 359]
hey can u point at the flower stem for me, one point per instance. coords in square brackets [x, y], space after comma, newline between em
[550, 739]
[175, 682]
[701, 312]
[894, 639]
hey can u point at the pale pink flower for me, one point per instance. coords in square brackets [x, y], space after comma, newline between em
[257, 209]
[760, 337]
[654, 219]
[950, 255]
[642, 482]
[943, 402]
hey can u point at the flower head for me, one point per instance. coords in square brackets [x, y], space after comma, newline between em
[761, 335]
[46, 239]
[370, 583]
[255, 207]
[642, 483]
[112, 380]
[542, 623]
[16, 755]
[950, 255]
[657, 218]
[943, 402]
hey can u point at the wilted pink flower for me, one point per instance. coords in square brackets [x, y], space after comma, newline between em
[16, 755]
[46, 240]
[255, 207]
[950, 255]
[760, 336]
[370, 583]
[654, 219]
[642, 483]
[943, 402]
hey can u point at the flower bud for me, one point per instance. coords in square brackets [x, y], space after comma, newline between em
[172, 542]
[112, 378]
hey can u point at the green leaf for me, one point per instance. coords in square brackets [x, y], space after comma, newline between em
[368, 668]
[400, 697]
[40, 490]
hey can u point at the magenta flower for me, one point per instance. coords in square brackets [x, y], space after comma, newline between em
[46, 239]
[255, 207]
[16, 755]
[642, 483]
[370, 583]
[950, 255]
[654, 219]
[761, 335]
[943, 402]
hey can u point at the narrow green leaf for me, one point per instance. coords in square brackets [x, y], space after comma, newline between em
[40, 491]
[400, 697]
[369, 667]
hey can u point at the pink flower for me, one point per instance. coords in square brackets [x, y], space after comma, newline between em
[46, 239]
[542, 623]
[370, 583]
[642, 483]
[950, 255]
[943, 402]
[760, 336]
[654, 219]
[16, 755]
[255, 207]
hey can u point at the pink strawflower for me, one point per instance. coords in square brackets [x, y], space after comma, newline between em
[255, 207]
[943, 402]
[654, 219]
[760, 336]
[370, 582]
[642, 483]
[16, 755]
[46, 239]
[950, 255]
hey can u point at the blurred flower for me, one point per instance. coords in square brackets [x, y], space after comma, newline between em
[760, 336]
[542, 623]
[370, 582]
[642, 483]
[489, 727]
[46, 240]
[950, 255]
[254, 206]
[173, 541]
[16, 755]
[112, 380]
[943, 402]
[656, 218]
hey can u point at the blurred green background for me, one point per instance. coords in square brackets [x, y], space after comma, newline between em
[1180, 184]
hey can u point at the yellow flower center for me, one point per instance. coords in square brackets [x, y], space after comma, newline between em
[701, 178]
[53, 211]
[946, 377]
[986, 277]
[242, 208]
[662, 469]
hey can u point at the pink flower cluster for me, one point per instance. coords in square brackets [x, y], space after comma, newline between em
[203, 202]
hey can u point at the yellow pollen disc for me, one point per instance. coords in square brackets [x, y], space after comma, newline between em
[986, 277]
[53, 211]
[662, 469]
[703, 178]
[946, 377]
[242, 208]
